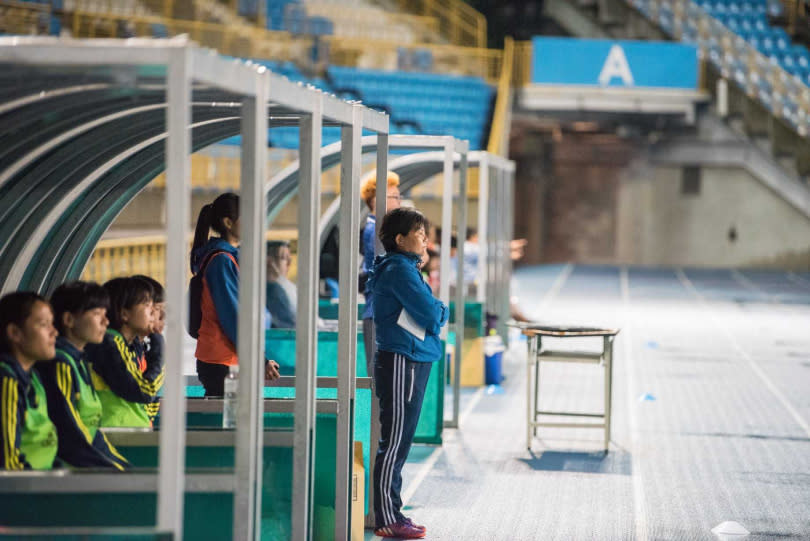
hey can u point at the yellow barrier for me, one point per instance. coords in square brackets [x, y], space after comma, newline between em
[245, 41]
[522, 72]
[375, 23]
[115, 258]
[222, 174]
[24, 17]
[499, 133]
[458, 21]
[254, 42]
[124, 257]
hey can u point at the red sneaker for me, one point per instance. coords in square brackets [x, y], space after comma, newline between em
[401, 530]
[418, 526]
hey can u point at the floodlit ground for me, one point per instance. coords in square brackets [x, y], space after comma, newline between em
[724, 434]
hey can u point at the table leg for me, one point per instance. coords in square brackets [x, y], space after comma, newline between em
[536, 382]
[531, 357]
[608, 356]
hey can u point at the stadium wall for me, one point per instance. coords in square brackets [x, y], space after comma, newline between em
[603, 200]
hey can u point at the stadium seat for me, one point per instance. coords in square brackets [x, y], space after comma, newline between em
[417, 102]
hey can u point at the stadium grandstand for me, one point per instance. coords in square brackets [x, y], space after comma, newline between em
[595, 328]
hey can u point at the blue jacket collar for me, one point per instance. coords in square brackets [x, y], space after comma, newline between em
[16, 368]
[65, 345]
[214, 244]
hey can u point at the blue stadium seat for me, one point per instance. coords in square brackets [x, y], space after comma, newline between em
[802, 56]
[418, 102]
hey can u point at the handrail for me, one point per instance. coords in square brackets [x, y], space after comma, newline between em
[246, 42]
[21, 17]
[500, 118]
[458, 21]
[522, 63]
[253, 42]
[369, 22]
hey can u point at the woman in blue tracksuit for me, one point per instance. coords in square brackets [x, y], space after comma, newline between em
[408, 319]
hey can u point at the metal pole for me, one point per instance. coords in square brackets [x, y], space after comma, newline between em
[249, 427]
[461, 287]
[492, 249]
[306, 325]
[382, 165]
[483, 215]
[381, 197]
[531, 359]
[347, 320]
[503, 301]
[444, 256]
[447, 224]
[171, 482]
[509, 180]
[607, 345]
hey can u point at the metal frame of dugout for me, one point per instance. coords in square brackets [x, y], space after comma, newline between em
[537, 355]
[263, 100]
[496, 188]
[495, 224]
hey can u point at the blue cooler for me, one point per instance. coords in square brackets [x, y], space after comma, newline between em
[493, 360]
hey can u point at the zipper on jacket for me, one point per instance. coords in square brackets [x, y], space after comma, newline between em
[410, 393]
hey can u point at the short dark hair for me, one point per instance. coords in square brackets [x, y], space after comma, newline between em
[77, 297]
[124, 294]
[400, 221]
[16, 308]
[158, 293]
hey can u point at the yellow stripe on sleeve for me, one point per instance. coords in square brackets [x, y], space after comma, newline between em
[64, 375]
[9, 401]
[115, 452]
[148, 387]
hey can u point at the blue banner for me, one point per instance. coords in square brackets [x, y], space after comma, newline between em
[605, 63]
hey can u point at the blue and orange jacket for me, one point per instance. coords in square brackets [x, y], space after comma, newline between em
[79, 445]
[219, 304]
[398, 285]
[125, 378]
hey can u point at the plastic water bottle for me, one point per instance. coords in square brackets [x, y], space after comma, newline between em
[229, 407]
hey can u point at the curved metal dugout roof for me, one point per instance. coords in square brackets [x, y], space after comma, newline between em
[79, 142]
[413, 168]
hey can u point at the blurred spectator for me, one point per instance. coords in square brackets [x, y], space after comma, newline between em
[282, 297]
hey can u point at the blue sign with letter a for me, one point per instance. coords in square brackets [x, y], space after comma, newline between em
[630, 64]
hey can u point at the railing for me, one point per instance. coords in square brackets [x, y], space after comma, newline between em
[458, 21]
[244, 42]
[500, 118]
[380, 54]
[784, 95]
[115, 258]
[375, 23]
[23, 17]
[259, 43]
[522, 64]
[124, 257]
[222, 173]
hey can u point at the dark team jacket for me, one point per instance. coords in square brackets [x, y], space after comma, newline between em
[79, 445]
[127, 371]
[18, 395]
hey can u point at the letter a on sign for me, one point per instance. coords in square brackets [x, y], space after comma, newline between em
[616, 66]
